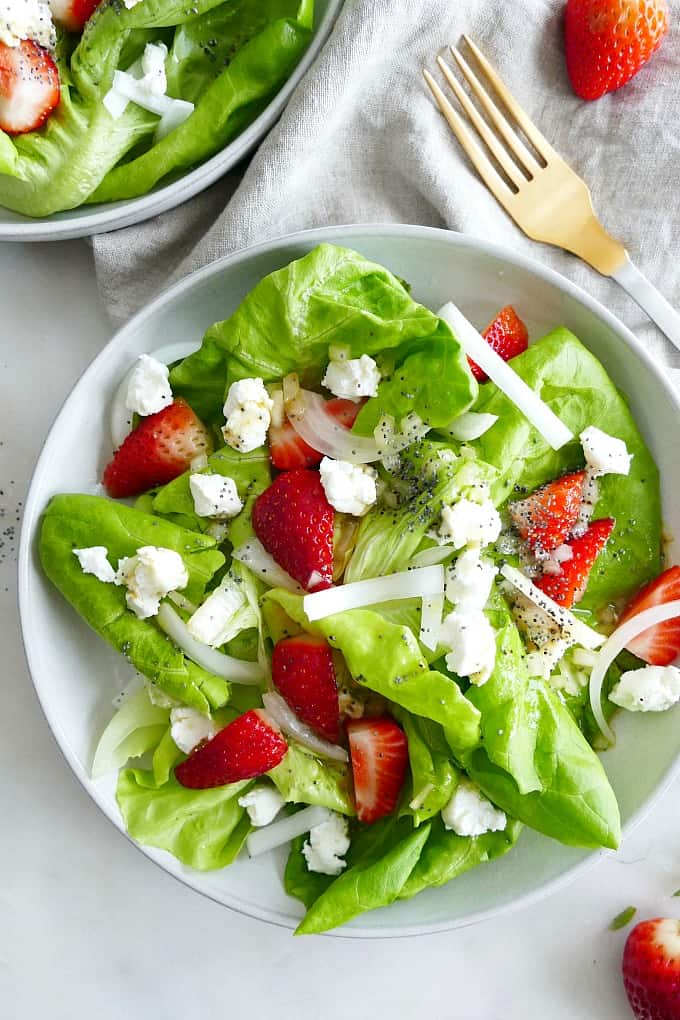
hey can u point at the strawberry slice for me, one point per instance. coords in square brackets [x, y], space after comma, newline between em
[568, 586]
[651, 969]
[288, 450]
[379, 752]
[294, 521]
[158, 450]
[248, 747]
[73, 14]
[29, 87]
[546, 517]
[303, 671]
[658, 645]
[507, 335]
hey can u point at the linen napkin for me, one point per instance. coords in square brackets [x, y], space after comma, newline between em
[361, 141]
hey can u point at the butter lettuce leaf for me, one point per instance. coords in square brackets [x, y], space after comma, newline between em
[302, 778]
[137, 727]
[431, 764]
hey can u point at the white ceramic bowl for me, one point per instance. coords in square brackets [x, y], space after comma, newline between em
[76, 675]
[97, 219]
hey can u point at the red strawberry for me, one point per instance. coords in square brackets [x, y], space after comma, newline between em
[294, 521]
[658, 645]
[651, 969]
[546, 517]
[568, 586]
[73, 14]
[29, 87]
[608, 41]
[379, 753]
[248, 747]
[303, 671]
[507, 335]
[288, 450]
[158, 450]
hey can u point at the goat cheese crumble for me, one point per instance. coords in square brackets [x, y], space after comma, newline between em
[189, 727]
[148, 389]
[149, 576]
[327, 845]
[26, 19]
[247, 410]
[262, 803]
[93, 560]
[469, 813]
[215, 495]
[352, 378]
[349, 488]
[649, 689]
[605, 455]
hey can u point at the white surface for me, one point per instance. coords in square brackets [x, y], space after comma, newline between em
[648, 297]
[111, 935]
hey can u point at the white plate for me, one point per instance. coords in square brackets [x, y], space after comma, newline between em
[76, 675]
[97, 219]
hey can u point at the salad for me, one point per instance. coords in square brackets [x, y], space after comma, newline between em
[103, 101]
[383, 583]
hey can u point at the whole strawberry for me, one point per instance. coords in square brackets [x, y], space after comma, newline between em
[651, 969]
[608, 41]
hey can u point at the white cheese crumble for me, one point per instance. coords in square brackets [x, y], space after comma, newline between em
[605, 455]
[472, 643]
[149, 576]
[148, 389]
[350, 488]
[247, 410]
[189, 727]
[211, 624]
[262, 803]
[93, 560]
[469, 523]
[650, 689]
[327, 845]
[469, 813]
[352, 377]
[215, 495]
[26, 19]
[469, 580]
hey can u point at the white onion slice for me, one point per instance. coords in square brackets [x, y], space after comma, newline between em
[470, 425]
[421, 797]
[286, 719]
[281, 832]
[431, 621]
[566, 621]
[615, 644]
[235, 670]
[132, 89]
[407, 584]
[322, 432]
[553, 430]
[435, 554]
[182, 602]
[254, 555]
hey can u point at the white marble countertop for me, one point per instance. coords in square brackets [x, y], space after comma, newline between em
[89, 928]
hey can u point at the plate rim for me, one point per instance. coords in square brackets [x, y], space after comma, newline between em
[32, 513]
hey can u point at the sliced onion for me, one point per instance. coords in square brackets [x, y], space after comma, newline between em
[132, 89]
[407, 584]
[236, 670]
[182, 602]
[421, 797]
[470, 425]
[321, 431]
[286, 719]
[615, 644]
[565, 620]
[431, 621]
[553, 430]
[254, 555]
[435, 554]
[285, 829]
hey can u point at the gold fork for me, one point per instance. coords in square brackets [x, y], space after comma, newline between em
[541, 192]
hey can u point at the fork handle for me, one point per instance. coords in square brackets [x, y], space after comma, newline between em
[649, 299]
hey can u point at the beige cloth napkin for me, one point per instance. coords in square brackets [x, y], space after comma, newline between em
[361, 141]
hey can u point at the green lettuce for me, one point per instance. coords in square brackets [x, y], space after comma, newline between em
[302, 778]
[137, 727]
[431, 765]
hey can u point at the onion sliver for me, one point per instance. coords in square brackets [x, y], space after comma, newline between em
[615, 644]
[553, 430]
[470, 425]
[435, 554]
[566, 621]
[281, 832]
[254, 555]
[431, 621]
[236, 670]
[322, 432]
[286, 719]
[407, 584]
[121, 416]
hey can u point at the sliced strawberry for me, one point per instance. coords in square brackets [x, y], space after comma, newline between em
[569, 584]
[546, 517]
[303, 671]
[158, 450]
[288, 450]
[651, 969]
[29, 87]
[248, 747]
[658, 645]
[73, 14]
[379, 752]
[507, 335]
[294, 521]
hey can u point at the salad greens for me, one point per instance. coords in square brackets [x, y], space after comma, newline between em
[227, 57]
[525, 742]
